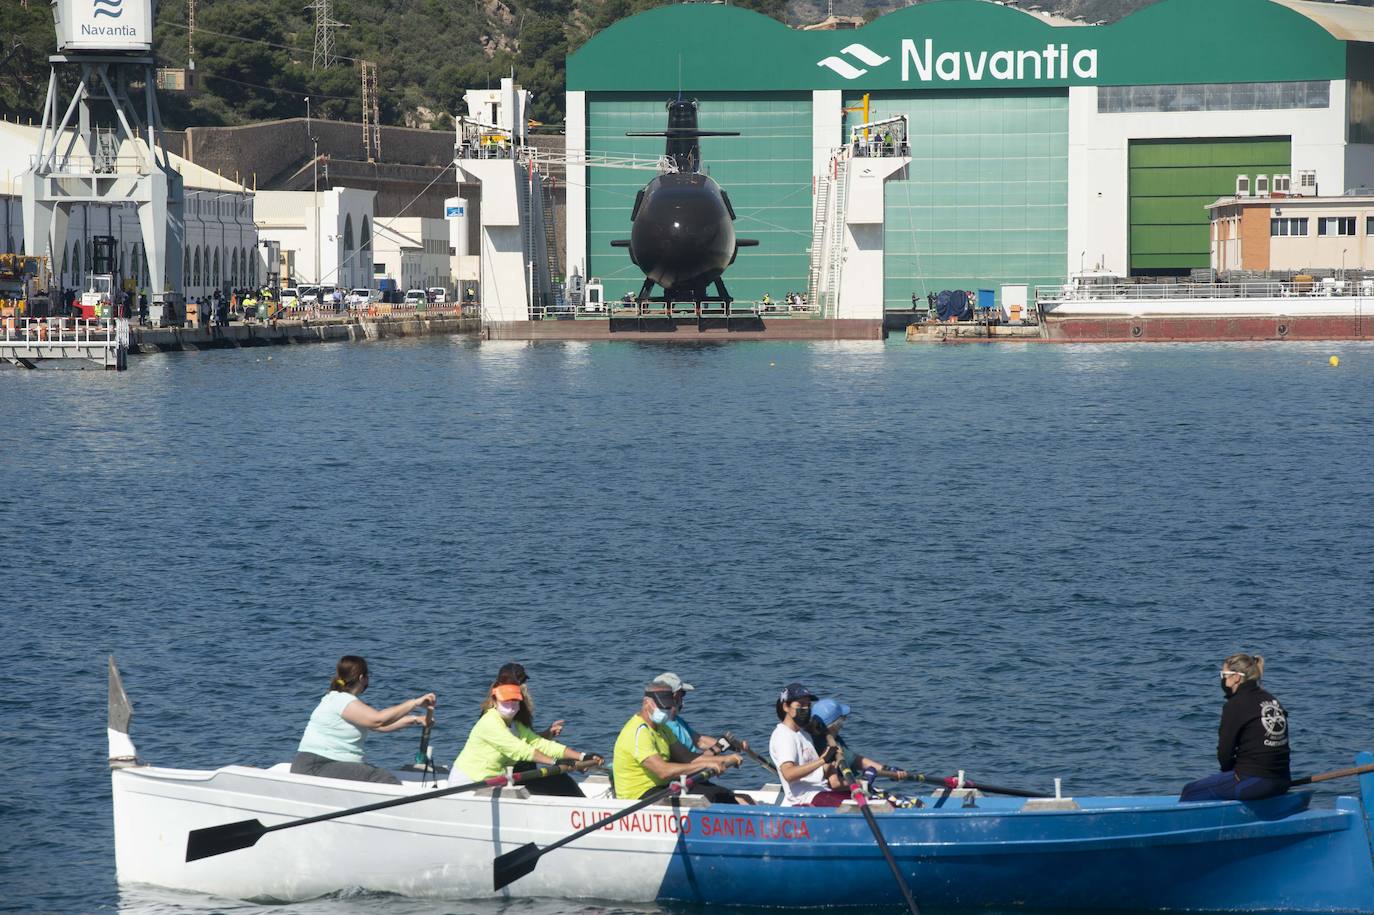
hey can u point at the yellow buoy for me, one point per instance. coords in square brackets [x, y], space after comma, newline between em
[1334, 361]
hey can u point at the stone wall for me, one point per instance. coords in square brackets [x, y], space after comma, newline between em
[273, 150]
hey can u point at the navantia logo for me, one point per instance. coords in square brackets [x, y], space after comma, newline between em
[843, 67]
[112, 9]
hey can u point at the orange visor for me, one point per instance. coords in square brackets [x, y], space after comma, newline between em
[507, 692]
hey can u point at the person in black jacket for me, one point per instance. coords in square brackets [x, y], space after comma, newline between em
[1252, 744]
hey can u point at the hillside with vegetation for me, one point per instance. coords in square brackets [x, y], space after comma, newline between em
[253, 58]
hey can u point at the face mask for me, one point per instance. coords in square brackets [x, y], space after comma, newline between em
[803, 715]
[507, 710]
[659, 716]
[1226, 691]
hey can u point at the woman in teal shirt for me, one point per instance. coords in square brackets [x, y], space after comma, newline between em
[332, 746]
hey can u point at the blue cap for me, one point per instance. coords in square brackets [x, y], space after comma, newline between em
[829, 711]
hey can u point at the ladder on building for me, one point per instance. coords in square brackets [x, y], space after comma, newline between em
[818, 236]
[523, 202]
[550, 229]
[834, 255]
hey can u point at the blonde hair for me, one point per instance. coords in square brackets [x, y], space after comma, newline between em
[1250, 667]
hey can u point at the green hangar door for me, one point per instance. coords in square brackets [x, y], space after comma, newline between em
[1171, 181]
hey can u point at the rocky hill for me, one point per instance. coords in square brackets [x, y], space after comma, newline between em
[253, 58]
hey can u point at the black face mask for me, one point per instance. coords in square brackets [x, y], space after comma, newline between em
[803, 716]
[1226, 691]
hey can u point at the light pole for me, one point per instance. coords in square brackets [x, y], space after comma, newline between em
[1343, 250]
[315, 189]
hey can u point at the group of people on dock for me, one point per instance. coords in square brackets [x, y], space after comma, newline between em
[657, 745]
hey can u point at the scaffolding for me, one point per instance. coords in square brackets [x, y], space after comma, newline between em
[372, 123]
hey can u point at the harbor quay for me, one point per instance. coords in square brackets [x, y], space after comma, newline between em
[345, 328]
[75, 343]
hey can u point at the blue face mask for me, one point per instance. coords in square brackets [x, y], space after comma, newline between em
[659, 716]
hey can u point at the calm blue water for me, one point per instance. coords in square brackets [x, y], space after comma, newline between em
[1022, 561]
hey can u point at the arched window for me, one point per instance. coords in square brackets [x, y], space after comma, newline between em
[234, 268]
[217, 278]
[195, 268]
[186, 268]
[243, 263]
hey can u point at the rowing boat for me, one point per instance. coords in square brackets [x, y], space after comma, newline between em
[961, 849]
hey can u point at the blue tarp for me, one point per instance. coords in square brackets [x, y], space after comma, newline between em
[952, 303]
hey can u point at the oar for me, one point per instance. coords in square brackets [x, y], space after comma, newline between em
[856, 791]
[216, 840]
[1328, 776]
[950, 781]
[513, 865]
[739, 746]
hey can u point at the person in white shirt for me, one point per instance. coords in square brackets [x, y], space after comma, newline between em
[803, 771]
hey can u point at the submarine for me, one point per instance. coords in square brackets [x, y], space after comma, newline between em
[682, 227]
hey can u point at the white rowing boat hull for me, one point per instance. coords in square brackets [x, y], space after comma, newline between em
[438, 848]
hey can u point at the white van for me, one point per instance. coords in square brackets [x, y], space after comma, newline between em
[438, 295]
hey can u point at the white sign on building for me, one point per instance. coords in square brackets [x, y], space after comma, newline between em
[104, 25]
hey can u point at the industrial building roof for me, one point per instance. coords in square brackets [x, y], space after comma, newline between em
[1347, 23]
[19, 143]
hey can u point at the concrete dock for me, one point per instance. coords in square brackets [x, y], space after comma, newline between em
[296, 331]
[972, 332]
[87, 343]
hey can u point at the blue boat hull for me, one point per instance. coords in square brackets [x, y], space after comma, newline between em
[1113, 853]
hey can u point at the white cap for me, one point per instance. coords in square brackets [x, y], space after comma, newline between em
[673, 681]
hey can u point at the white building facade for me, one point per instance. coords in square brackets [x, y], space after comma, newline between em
[220, 232]
[326, 237]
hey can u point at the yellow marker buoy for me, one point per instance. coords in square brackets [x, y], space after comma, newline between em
[1334, 361]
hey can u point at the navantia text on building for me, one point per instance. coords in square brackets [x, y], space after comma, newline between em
[106, 26]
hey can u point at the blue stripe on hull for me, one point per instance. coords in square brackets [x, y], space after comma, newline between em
[1137, 853]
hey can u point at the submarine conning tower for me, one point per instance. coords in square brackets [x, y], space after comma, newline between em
[683, 148]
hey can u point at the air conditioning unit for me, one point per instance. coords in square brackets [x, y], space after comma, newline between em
[1242, 185]
[1261, 185]
[1307, 183]
[1283, 184]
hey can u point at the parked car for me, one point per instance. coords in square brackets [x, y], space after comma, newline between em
[438, 295]
[289, 297]
[415, 297]
[357, 298]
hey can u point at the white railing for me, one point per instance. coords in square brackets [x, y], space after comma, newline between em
[676, 310]
[1263, 289]
[35, 331]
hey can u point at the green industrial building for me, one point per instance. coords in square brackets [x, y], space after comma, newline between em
[1038, 147]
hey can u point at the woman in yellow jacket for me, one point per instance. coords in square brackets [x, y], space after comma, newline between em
[504, 736]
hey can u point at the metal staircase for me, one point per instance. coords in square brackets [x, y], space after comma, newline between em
[818, 236]
[834, 254]
[551, 231]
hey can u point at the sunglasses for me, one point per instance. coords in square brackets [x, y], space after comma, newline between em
[664, 701]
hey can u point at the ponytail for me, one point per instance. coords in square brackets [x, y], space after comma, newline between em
[1250, 667]
[349, 671]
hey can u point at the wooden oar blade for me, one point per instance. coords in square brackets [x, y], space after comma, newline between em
[216, 840]
[513, 865]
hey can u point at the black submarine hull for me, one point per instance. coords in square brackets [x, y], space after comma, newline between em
[683, 235]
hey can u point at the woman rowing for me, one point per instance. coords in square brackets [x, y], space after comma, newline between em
[332, 746]
[1252, 744]
[504, 737]
[827, 718]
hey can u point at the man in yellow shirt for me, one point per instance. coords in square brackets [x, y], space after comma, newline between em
[647, 756]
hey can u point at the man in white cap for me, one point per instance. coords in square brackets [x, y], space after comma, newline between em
[685, 734]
